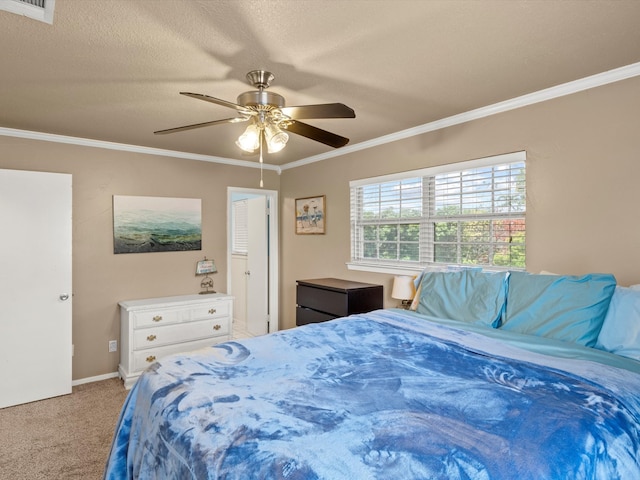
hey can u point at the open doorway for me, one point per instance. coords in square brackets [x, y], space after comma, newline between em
[252, 259]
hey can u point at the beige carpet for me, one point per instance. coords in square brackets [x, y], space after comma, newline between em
[61, 438]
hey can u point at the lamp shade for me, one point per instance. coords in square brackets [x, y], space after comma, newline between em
[249, 141]
[276, 138]
[205, 267]
[403, 287]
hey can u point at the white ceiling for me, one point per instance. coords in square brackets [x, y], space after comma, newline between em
[111, 70]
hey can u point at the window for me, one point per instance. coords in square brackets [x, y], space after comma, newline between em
[470, 213]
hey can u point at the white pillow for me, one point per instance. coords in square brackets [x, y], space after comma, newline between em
[545, 272]
[620, 333]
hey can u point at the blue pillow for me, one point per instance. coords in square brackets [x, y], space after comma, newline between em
[468, 295]
[620, 333]
[563, 307]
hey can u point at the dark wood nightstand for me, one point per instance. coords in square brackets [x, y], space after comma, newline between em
[323, 299]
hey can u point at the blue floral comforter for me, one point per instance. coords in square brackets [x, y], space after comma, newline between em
[384, 395]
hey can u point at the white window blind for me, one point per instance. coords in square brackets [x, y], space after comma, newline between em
[472, 213]
[240, 226]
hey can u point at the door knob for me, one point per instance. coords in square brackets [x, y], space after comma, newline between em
[64, 296]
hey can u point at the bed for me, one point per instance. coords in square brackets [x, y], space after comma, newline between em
[399, 394]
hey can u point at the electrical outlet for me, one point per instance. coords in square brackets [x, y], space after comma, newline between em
[113, 345]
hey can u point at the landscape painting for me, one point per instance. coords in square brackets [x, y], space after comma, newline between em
[156, 224]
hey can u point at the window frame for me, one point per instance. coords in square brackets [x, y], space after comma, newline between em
[426, 239]
[41, 10]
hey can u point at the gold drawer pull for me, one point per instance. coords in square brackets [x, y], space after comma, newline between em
[151, 358]
[217, 327]
[157, 318]
[151, 338]
[212, 311]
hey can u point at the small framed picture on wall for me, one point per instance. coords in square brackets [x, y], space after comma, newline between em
[311, 215]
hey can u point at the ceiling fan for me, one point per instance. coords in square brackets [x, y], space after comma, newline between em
[269, 118]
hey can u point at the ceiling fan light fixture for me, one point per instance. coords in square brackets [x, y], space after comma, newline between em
[276, 138]
[249, 141]
[268, 117]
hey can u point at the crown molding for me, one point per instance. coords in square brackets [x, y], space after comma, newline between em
[593, 81]
[600, 79]
[87, 142]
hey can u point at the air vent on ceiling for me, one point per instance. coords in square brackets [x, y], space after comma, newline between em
[37, 9]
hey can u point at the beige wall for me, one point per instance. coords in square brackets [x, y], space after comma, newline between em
[583, 170]
[100, 278]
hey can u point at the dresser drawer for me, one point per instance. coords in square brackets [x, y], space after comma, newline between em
[143, 358]
[168, 316]
[164, 316]
[167, 334]
[215, 310]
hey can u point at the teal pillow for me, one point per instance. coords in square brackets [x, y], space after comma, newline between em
[469, 296]
[563, 307]
[620, 333]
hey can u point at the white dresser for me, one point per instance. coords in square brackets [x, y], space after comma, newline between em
[156, 327]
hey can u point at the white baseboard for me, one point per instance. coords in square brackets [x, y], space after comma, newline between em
[97, 378]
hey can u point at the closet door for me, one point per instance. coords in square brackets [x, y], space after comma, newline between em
[35, 286]
[258, 267]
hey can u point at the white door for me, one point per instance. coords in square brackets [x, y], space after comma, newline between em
[257, 267]
[239, 288]
[35, 286]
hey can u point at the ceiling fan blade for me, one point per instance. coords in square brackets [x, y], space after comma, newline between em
[219, 101]
[324, 110]
[203, 124]
[317, 134]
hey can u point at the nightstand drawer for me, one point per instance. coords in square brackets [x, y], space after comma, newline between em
[322, 300]
[158, 336]
[306, 315]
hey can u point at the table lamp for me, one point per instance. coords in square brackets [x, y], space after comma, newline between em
[205, 267]
[403, 289]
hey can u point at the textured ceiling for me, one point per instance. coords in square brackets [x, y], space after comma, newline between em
[111, 70]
